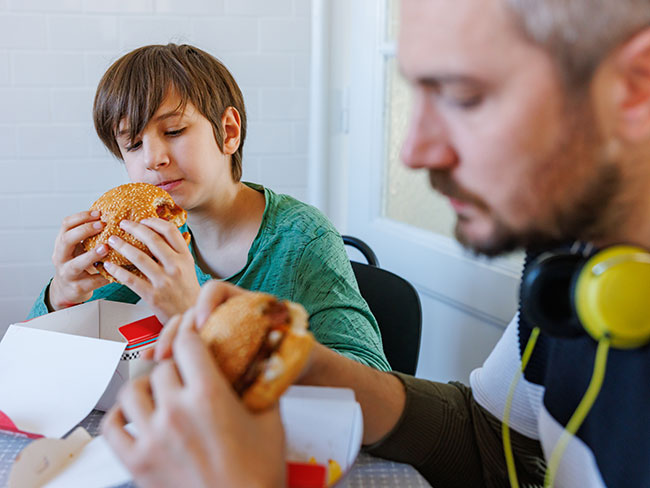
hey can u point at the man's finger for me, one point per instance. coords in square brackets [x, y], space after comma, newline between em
[163, 348]
[165, 382]
[136, 402]
[197, 366]
[189, 320]
[213, 294]
[147, 354]
[112, 428]
[270, 421]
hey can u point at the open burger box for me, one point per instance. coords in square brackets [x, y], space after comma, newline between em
[55, 369]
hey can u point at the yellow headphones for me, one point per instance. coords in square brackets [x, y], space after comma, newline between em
[565, 294]
[607, 295]
[612, 296]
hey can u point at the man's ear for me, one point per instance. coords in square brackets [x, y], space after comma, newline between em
[632, 61]
[231, 127]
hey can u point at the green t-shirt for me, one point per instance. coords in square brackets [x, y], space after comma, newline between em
[297, 255]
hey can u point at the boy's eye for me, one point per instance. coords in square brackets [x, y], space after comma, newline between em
[175, 132]
[134, 146]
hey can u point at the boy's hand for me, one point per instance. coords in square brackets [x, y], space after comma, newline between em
[173, 286]
[75, 277]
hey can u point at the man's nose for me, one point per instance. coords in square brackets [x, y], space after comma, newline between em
[156, 155]
[427, 144]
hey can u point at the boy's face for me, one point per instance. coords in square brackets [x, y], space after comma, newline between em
[495, 128]
[177, 151]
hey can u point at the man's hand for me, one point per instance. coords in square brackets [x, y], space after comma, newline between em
[192, 429]
[212, 294]
[381, 395]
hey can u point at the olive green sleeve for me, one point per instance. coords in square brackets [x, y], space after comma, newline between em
[453, 442]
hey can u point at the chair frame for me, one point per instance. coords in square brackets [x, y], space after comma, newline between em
[402, 348]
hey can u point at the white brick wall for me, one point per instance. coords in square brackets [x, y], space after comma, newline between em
[53, 53]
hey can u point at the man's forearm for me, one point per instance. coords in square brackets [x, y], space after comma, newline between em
[380, 394]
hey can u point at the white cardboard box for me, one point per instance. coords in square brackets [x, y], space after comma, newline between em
[56, 368]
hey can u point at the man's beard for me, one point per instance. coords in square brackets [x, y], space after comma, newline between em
[586, 212]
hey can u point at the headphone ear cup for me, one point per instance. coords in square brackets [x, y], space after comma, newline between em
[546, 294]
[611, 296]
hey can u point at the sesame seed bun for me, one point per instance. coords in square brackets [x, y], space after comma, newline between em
[134, 202]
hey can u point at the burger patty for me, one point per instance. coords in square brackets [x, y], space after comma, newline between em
[278, 313]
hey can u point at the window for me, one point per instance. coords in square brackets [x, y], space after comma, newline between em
[408, 197]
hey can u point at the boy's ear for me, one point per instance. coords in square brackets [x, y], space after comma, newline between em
[231, 126]
[632, 62]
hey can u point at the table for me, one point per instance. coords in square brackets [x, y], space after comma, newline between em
[368, 471]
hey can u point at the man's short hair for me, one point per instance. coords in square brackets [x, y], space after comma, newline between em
[579, 34]
[134, 87]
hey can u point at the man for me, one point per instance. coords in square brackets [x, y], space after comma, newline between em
[533, 117]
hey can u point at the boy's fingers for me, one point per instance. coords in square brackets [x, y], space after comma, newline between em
[145, 264]
[79, 218]
[169, 231]
[128, 279]
[75, 235]
[87, 260]
[157, 244]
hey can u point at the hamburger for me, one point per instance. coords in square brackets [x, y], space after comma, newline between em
[134, 202]
[260, 344]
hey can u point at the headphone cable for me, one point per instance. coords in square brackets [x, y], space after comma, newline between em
[581, 412]
[505, 429]
[576, 420]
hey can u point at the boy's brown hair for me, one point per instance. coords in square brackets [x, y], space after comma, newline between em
[136, 84]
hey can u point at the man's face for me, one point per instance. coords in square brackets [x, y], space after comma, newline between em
[517, 157]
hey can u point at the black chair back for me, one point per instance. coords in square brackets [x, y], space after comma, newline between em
[396, 306]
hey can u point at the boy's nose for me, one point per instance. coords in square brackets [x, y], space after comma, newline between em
[155, 155]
